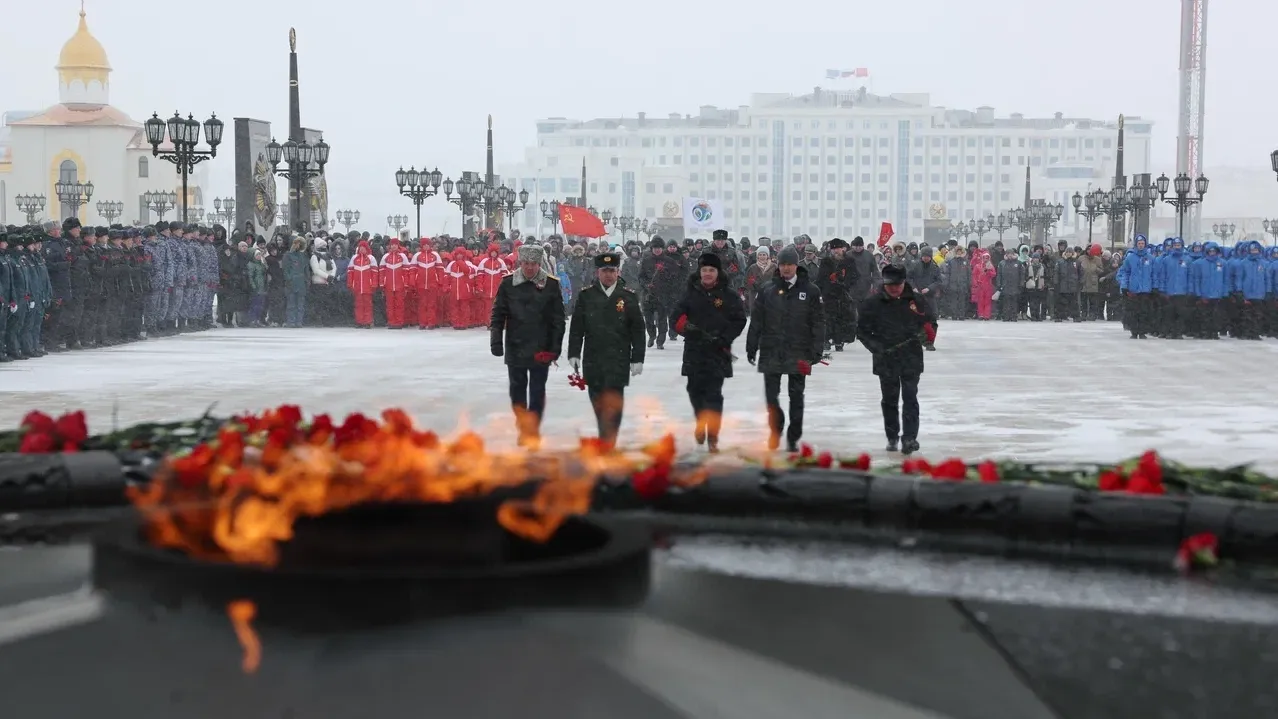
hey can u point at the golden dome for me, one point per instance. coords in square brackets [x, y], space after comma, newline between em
[83, 51]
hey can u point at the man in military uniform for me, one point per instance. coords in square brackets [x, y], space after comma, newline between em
[608, 321]
[20, 302]
[160, 281]
[41, 295]
[57, 259]
[7, 304]
[80, 251]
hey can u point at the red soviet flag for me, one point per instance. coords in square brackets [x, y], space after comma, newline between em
[578, 221]
[885, 234]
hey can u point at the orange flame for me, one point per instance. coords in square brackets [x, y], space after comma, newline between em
[237, 498]
[242, 612]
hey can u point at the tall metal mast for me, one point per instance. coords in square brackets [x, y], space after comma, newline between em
[1193, 95]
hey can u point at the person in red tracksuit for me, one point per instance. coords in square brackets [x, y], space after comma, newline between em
[395, 274]
[428, 270]
[488, 275]
[362, 279]
[460, 288]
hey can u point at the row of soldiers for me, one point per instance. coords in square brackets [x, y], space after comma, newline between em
[68, 287]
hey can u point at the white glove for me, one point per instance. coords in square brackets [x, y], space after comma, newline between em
[636, 369]
[13, 308]
[31, 305]
[575, 362]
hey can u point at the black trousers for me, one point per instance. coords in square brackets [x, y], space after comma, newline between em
[528, 388]
[1137, 313]
[1066, 306]
[656, 315]
[772, 396]
[52, 332]
[1008, 306]
[1035, 307]
[1093, 305]
[900, 406]
[609, 404]
[705, 392]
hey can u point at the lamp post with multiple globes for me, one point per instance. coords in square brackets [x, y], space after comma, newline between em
[31, 206]
[185, 137]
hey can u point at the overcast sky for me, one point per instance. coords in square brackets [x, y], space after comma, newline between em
[394, 82]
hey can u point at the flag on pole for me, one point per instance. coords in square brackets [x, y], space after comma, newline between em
[701, 215]
[578, 221]
[855, 72]
[885, 234]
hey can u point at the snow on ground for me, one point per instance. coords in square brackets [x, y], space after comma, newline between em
[1020, 391]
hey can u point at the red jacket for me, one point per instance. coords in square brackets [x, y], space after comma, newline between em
[396, 269]
[488, 274]
[458, 271]
[428, 269]
[362, 275]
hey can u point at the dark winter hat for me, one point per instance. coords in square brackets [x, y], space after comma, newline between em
[657, 243]
[788, 256]
[836, 243]
[858, 241]
[973, 244]
[672, 243]
[710, 259]
[148, 232]
[893, 275]
[70, 224]
[607, 259]
[719, 235]
[161, 226]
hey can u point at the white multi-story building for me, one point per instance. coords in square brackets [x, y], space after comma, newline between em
[826, 163]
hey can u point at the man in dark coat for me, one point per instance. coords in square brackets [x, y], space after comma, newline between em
[661, 277]
[57, 254]
[838, 277]
[729, 259]
[529, 312]
[710, 316]
[608, 321]
[925, 278]
[867, 275]
[893, 326]
[787, 333]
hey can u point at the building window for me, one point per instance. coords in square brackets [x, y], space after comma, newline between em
[796, 195]
[1005, 177]
[616, 162]
[651, 187]
[814, 178]
[144, 167]
[761, 196]
[668, 188]
[952, 177]
[814, 160]
[849, 177]
[546, 185]
[865, 177]
[796, 177]
[612, 188]
[969, 177]
[797, 160]
[727, 159]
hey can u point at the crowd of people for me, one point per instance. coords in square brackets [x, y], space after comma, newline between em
[71, 287]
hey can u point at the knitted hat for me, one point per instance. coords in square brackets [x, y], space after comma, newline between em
[710, 259]
[788, 256]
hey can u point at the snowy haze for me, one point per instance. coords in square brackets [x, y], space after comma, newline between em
[394, 82]
[1019, 391]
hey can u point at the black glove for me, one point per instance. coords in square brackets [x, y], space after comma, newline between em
[750, 359]
[497, 351]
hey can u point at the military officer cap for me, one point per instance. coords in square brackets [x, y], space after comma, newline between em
[607, 259]
[115, 234]
[720, 235]
[672, 243]
[70, 224]
[100, 231]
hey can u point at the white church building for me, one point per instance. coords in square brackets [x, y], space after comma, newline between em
[84, 139]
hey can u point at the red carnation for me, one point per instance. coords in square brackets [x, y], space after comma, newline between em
[651, 482]
[806, 451]
[1199, 550]
[37, 443]
[1111, 481]
[38, 422]
[825, 460]
[71, 428]
[862, 463]
[988, 471]
[951, 469]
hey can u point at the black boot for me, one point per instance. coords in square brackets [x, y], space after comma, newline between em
[909, 446]
[891, 445]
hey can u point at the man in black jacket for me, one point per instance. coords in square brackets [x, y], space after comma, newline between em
[837, 276]
[528, 312]
[710, 316]
[893, 326]
[661, 277]
[57, 258]
[925, 279]
[608, 322]
[787, 333]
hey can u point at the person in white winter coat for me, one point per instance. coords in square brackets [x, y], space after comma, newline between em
[322, 297]
[323, 268]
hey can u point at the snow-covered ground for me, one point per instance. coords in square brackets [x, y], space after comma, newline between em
[1024, 391]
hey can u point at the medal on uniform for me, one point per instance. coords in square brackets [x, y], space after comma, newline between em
[621, 305]
[718, 302]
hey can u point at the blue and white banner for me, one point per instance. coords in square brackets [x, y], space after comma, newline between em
[701, 215]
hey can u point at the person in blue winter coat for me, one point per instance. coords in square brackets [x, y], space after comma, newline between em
[1208, 288]
[1249, 285]
[1135, 282]
[1171, 277]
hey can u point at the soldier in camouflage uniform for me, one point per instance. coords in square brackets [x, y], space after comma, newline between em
[177, 270]
[195, 287]
[139, 279]
[211, 278]
[160, 280]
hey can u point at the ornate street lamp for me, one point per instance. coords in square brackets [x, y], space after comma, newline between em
[160, 202]
[225, 210]
[417, 186]
[469, 194]
[74, 194]
[511, 208]
[1181, 198]
[625, 223]
[1090, 206]
[31, 206]
[1224, 231]
[961, 229]
[999, 224]
[550, 211]
[347, 217]
[398, 222]
[304, 161]
[1271, 227]
[647, 230]
[185, 136]
[110, 210]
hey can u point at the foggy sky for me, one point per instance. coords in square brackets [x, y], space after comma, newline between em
[394, 82]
